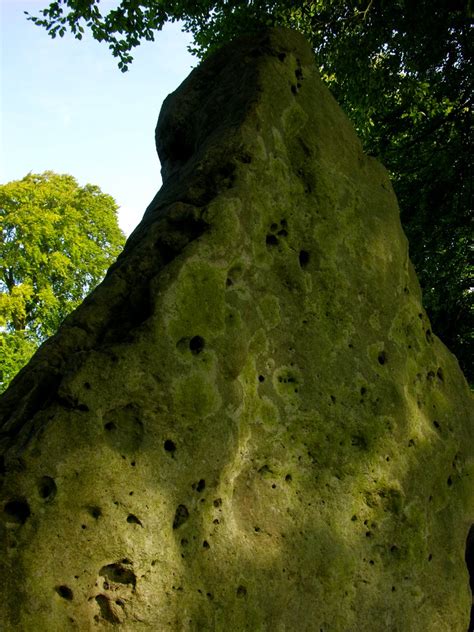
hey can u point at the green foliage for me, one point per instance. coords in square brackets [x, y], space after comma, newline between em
[16, 348]
[57, 241]
[400, 69]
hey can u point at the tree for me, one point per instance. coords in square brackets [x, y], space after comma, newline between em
[57, 241]
[401, 70]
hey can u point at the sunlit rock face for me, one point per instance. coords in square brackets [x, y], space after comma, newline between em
[249, 426]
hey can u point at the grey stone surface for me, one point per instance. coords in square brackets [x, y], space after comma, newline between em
[249, 425]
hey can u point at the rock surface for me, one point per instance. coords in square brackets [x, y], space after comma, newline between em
[249, 425]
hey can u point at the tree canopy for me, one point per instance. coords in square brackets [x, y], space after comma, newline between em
[57, 241]
[400, 69]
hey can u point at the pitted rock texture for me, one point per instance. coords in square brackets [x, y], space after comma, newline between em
[249, 425]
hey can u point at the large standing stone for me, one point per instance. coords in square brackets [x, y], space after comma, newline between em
[249, 426]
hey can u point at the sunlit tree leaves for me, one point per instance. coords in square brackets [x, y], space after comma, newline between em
[57, 240]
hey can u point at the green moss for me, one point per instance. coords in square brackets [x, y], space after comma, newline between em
[195, 396]
[287, 382]
[294, 119]
[268, 412]
[259, 343]
[234, 346]
[196, 303]
[273, 441]
[269, 308]
[223, 214]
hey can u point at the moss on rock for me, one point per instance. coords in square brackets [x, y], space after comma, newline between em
[250, 422]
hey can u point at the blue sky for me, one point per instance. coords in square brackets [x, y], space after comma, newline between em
[66, 107]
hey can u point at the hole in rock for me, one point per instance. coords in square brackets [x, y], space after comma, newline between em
[196, 344]
[217, 502]
[274, 226]
[95, 512]
[261, 378]
[18, 510]
[201, 485]
[288, 378]
[47, 488]
[382, 358]
[303, 258]
[282, 56]
[449, 481]
[132, 519]
[294, 90]
[241, 591]
[429, 335]
[359, 441]
[283, 232]
[181, 516]
[65, 592]
[205, 545]
[169, 445]
[124, 428]
[271, 240]
[299, 74]
[87, 386]
[106, 610]
[118, 573]
[288, 478]
[436, 424]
